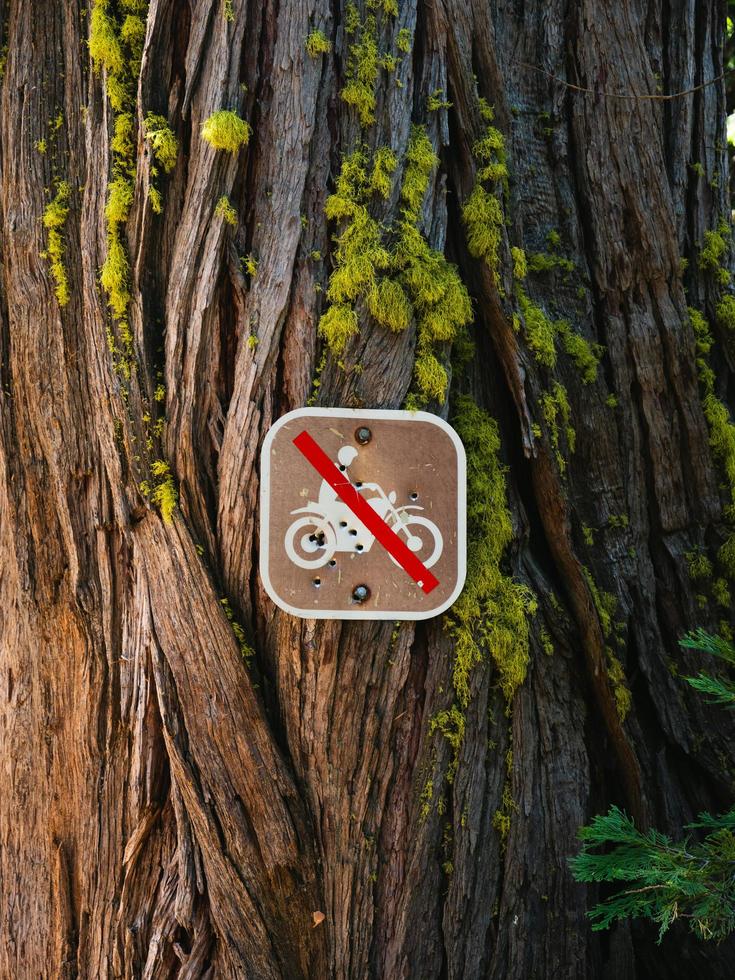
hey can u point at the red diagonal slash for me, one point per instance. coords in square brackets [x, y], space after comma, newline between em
[365, 513]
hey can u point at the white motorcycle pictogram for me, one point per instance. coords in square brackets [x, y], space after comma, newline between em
[329, 526]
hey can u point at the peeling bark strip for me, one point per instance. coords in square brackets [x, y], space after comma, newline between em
[167, 811]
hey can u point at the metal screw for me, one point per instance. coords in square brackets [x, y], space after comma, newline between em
[361, 593]
[363, 435]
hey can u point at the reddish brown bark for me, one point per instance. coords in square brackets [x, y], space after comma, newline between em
[167, 811]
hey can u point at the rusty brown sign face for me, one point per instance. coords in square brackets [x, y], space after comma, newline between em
[362, 514]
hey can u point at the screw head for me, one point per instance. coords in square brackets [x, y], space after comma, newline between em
[363, 435]
[360, 593]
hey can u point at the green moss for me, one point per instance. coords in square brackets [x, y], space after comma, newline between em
[520, 265]
[541, 334]
[114, 275]
[547, 644]
[618, 521]
[451, 724]
[403, 40]
[245, 649]
[586, 355]
[122, 140]
[482, 212]
[491, 615]
[503, 815]
[249, 264]
[389, 7]
[540, 331]
[362, 72]
[621, 691]
[162, 140]
[119, 201]
[557, 414]
[420, 162]
[437, 100]
[699, 565]
[588, 535]
[164, 495]
[388, 303]
[393, 270]
[713, 251]
[611, 401]
[225, 130]
[721, 593]
[337, 325]
[133, 33]
[359, 257]
[317, 44]
[226, 211]
[104, 45]
[489, 151]
[228, 11]
[155, 199]
[544, 262]
[483, 218]
[41, 146]
[352, 18]
[384, 164]
[606, 606]
[431, 377]
[725, 313]
[721, 429]
[54, 219]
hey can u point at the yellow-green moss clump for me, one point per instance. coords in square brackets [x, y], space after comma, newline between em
[115, 46]
[606, 605]
[362, 67]
[162, 140]
[725, 313]
[114, 274]
[392, 270]
[721, 430]
[713, 251]
[245, 649]
[226, 211]
[403, 40]
[54, 219]
[105, 48]
[482, 212]
[520, 265]
[585, 355]
[225, 130]
[317, 44]
[557, 414]
[491, 615]
[163, 493]
[508, 806]
[542, 332]
[451, 724]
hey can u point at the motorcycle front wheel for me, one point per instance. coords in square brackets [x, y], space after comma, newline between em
[429, 552]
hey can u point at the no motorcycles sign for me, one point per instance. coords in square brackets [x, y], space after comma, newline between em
[362, 514]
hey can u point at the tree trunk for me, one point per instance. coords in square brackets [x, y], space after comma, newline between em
[172, 809]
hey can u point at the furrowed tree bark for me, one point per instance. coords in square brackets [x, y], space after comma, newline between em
[168, 810]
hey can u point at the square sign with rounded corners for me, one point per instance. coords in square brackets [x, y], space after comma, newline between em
[362, 514]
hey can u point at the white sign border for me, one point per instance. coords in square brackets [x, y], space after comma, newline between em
[359, 414]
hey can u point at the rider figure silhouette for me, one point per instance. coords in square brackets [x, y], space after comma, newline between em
[329, 499]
